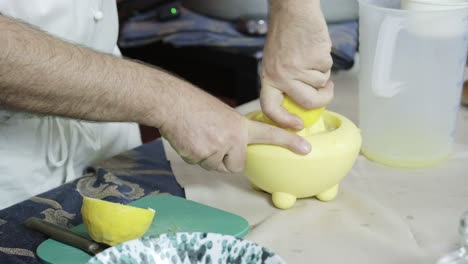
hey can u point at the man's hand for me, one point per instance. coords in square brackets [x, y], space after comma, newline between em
[296, 60]
[207, 132]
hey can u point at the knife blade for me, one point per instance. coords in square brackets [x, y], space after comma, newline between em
[65, 235]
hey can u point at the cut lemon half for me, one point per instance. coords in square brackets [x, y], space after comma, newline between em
[114, 223]
[309, 117]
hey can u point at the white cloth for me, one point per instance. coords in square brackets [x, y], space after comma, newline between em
[92, 23]
[381, 215]
[39, 153]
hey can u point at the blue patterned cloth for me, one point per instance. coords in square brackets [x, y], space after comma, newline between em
[192, 29]
[132, 175]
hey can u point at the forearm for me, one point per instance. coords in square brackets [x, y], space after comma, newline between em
[293, 9]
[302, 18]
[39, 73]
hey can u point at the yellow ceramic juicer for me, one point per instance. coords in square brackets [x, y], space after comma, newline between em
[335, 142]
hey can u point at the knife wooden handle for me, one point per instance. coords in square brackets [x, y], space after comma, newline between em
[63, 235]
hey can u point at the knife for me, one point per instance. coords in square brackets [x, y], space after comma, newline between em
[65, 235]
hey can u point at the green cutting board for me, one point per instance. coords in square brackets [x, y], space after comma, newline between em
[173, 214]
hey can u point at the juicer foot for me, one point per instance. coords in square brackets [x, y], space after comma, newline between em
[283, 200]
[329, 194]
[255, 187]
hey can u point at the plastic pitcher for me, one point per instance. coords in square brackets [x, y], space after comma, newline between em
[410, 83]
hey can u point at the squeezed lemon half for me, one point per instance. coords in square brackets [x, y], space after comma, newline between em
[114, 223]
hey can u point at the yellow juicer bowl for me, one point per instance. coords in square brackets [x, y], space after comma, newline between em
[335, 142]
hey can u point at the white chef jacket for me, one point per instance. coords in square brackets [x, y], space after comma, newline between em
[40, 153]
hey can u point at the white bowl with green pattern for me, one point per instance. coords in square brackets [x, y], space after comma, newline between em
[174, 248]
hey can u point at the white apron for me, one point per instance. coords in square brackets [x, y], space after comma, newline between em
[40, 153]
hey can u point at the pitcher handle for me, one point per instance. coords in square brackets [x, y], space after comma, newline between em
[382, 85]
